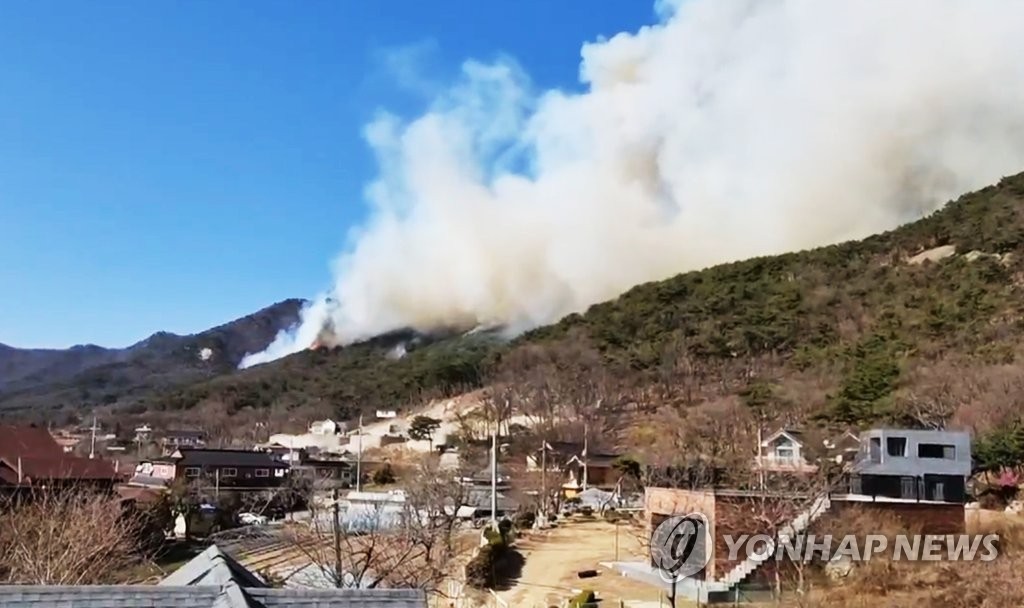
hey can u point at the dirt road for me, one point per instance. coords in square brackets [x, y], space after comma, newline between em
[554, 557]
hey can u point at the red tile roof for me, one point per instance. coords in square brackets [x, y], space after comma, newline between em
[42, 458]
[34, 469]
[28, 441]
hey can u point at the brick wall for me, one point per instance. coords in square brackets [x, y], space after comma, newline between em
[661, 503]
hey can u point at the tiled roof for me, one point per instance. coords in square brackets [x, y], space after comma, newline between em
[40, 457]
[183, 433]
[331, 598]
[62, 468]
[199, 457]
[212, 567]
[106, 596]
[211, 580]
[26, 441]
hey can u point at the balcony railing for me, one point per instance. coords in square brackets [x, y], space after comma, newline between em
[773, 461]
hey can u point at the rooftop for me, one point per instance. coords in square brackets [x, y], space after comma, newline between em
[231, 458]
[211, 580]
[38, 456]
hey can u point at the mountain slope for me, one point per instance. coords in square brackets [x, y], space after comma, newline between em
[16, 364]
[854, 332]
[91, 375]
[863, 317]
[812, 301]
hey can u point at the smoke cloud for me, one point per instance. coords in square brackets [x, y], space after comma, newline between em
[728, 129]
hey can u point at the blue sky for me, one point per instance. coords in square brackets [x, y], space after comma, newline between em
[171, 165]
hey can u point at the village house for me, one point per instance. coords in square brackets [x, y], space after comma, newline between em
[793, 451]
[181, 438]
[591, 471]
[325, 472]
[234, 469]
[31, 457]
[482, 478]
[913, 465]
[917, 476]
[574, 468]
[68, 440]
[784, 451]
[322, 435]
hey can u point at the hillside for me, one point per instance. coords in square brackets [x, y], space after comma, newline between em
[852, 333]
[863, 319]
[85, 376]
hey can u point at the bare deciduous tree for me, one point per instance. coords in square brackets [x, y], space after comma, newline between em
[63, 537]
[415, 543]
[699, 447]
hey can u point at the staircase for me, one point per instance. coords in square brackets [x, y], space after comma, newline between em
[800, 523]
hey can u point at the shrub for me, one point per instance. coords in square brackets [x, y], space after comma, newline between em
[524, 519]
[583, 599]
[384, 475]
[504, 527]
[494, 563]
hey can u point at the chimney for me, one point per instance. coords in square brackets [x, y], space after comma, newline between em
[19, 470]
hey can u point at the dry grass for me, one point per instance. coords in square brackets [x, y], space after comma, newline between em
[883, 583]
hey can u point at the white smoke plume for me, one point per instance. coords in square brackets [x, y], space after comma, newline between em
[729, 129]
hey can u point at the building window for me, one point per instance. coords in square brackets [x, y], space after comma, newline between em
[262, 472]
[908, 487]
[785, 452]
[935, 450]
[191, 471]
[228, 472]
[876, 449]
[896, 446]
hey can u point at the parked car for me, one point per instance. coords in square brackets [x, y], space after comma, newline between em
[251, 519]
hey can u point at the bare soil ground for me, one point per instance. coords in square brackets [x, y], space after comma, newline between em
[553, 558]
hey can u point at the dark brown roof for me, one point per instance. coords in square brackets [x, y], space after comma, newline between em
[65, 467]
[598, 460]
[28, 441]
[182, 433]
[201, 457]
[40, 457]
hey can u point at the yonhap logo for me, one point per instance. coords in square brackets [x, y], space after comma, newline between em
[679, 546]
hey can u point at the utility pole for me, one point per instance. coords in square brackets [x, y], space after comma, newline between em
[92, 443]
[543, 482]
[760, 457]
[359, 456]
[494, 480]
[216, 483]
[585, 437]
[339, 575]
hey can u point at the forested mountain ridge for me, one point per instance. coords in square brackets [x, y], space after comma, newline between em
[921, 325]
[88, 375]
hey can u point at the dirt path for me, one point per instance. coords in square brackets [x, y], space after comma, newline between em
[554, 557]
